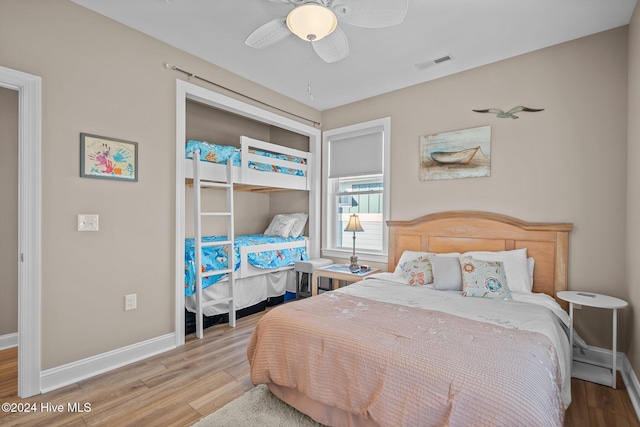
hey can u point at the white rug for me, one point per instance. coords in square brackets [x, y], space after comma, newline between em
[257, 407]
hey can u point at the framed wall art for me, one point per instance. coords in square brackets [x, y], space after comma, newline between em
[457, 154]
[108, 158]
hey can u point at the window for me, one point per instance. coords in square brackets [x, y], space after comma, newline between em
[356, 181]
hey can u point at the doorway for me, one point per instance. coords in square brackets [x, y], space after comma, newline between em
[9, 240]
[29, 91]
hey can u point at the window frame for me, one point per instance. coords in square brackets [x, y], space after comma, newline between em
[330, 190]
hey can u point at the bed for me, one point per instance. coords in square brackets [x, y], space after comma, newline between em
[264, 274]
[257, 165]
[384, 352]
[260, 261]
[255, 254]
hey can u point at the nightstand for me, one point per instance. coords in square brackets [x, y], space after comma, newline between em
[591, 299]
[339, 272]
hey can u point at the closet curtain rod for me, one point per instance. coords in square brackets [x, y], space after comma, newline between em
[191, 75]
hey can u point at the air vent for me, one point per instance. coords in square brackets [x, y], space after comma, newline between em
[432, 62]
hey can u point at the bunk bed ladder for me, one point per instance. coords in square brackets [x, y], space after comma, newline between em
[198, 185]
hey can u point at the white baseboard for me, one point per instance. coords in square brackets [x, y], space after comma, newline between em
[632, 384]
[603, 358]
[8, 341]
[70, 373]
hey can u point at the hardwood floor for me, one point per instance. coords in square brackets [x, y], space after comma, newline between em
[179, 387]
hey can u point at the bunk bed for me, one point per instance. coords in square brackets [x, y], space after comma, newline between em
[262, 264]
[256, 165]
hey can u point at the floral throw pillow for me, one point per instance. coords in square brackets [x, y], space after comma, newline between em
[418, 271]
[484, 279]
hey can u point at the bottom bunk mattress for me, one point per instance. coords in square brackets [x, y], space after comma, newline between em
[216, 257]
[248, 291]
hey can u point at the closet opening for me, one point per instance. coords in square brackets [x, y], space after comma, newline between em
[275, 173]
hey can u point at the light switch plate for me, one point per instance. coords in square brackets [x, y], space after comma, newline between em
[87, 222]
[130, 302]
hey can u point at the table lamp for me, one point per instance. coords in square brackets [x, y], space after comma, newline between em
[354, 225]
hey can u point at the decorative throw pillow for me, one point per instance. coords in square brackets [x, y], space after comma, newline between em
[406, 257]
[446, 273]
[298, 226]
[485, 279]
[515, 267]
[418, 271]
[280, 226]
[411, 255]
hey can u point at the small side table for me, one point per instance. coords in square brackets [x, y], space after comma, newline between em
[591, 299]
[304, 270]
[338, 272]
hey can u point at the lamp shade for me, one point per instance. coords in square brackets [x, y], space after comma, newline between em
[354, 224]
[311, 22]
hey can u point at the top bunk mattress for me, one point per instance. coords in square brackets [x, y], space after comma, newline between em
[215, 153]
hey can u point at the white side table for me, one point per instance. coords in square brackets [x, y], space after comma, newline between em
[591, 299]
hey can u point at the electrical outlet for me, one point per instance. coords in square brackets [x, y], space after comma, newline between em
[87, 222]
[130, 302]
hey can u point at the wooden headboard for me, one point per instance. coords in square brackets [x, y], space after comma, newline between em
[463, 231]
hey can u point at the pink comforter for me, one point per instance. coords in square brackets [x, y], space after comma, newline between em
[403, 366]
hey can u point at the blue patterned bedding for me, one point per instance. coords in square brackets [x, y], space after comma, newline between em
[221, 153]
[216, 257]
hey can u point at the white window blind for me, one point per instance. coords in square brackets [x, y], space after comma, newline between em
[358, 154]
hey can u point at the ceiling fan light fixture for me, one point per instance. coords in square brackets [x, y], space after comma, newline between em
[311, 22]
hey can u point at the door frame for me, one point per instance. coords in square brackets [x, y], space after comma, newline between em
[29, 89]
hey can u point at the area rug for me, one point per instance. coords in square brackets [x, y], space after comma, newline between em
[257, 407]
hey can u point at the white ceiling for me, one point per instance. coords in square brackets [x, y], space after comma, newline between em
[473, 32]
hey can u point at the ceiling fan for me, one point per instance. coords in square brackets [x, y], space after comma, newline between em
[316, 21]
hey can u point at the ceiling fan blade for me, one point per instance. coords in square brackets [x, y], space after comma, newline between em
[333, 47]
[370, 13]
[270, 33]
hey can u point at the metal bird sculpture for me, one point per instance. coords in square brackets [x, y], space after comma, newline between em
[511, 114]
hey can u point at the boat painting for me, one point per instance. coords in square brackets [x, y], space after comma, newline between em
[463, 156]
[456, 154]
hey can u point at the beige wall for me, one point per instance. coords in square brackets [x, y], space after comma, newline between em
[251, 211]
[633, 192]
[565, 164]
[101, 77]
[9, 211]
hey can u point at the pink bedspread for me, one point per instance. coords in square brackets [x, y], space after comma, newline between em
[404, 366]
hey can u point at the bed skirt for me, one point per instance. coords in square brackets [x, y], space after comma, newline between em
[190, 318]
[319, 412]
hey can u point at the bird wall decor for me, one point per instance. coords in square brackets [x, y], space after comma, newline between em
[511, 114]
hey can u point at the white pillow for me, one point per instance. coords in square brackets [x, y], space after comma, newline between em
[298, 226]
[515, 267]
[530, 265]
[280, 226]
